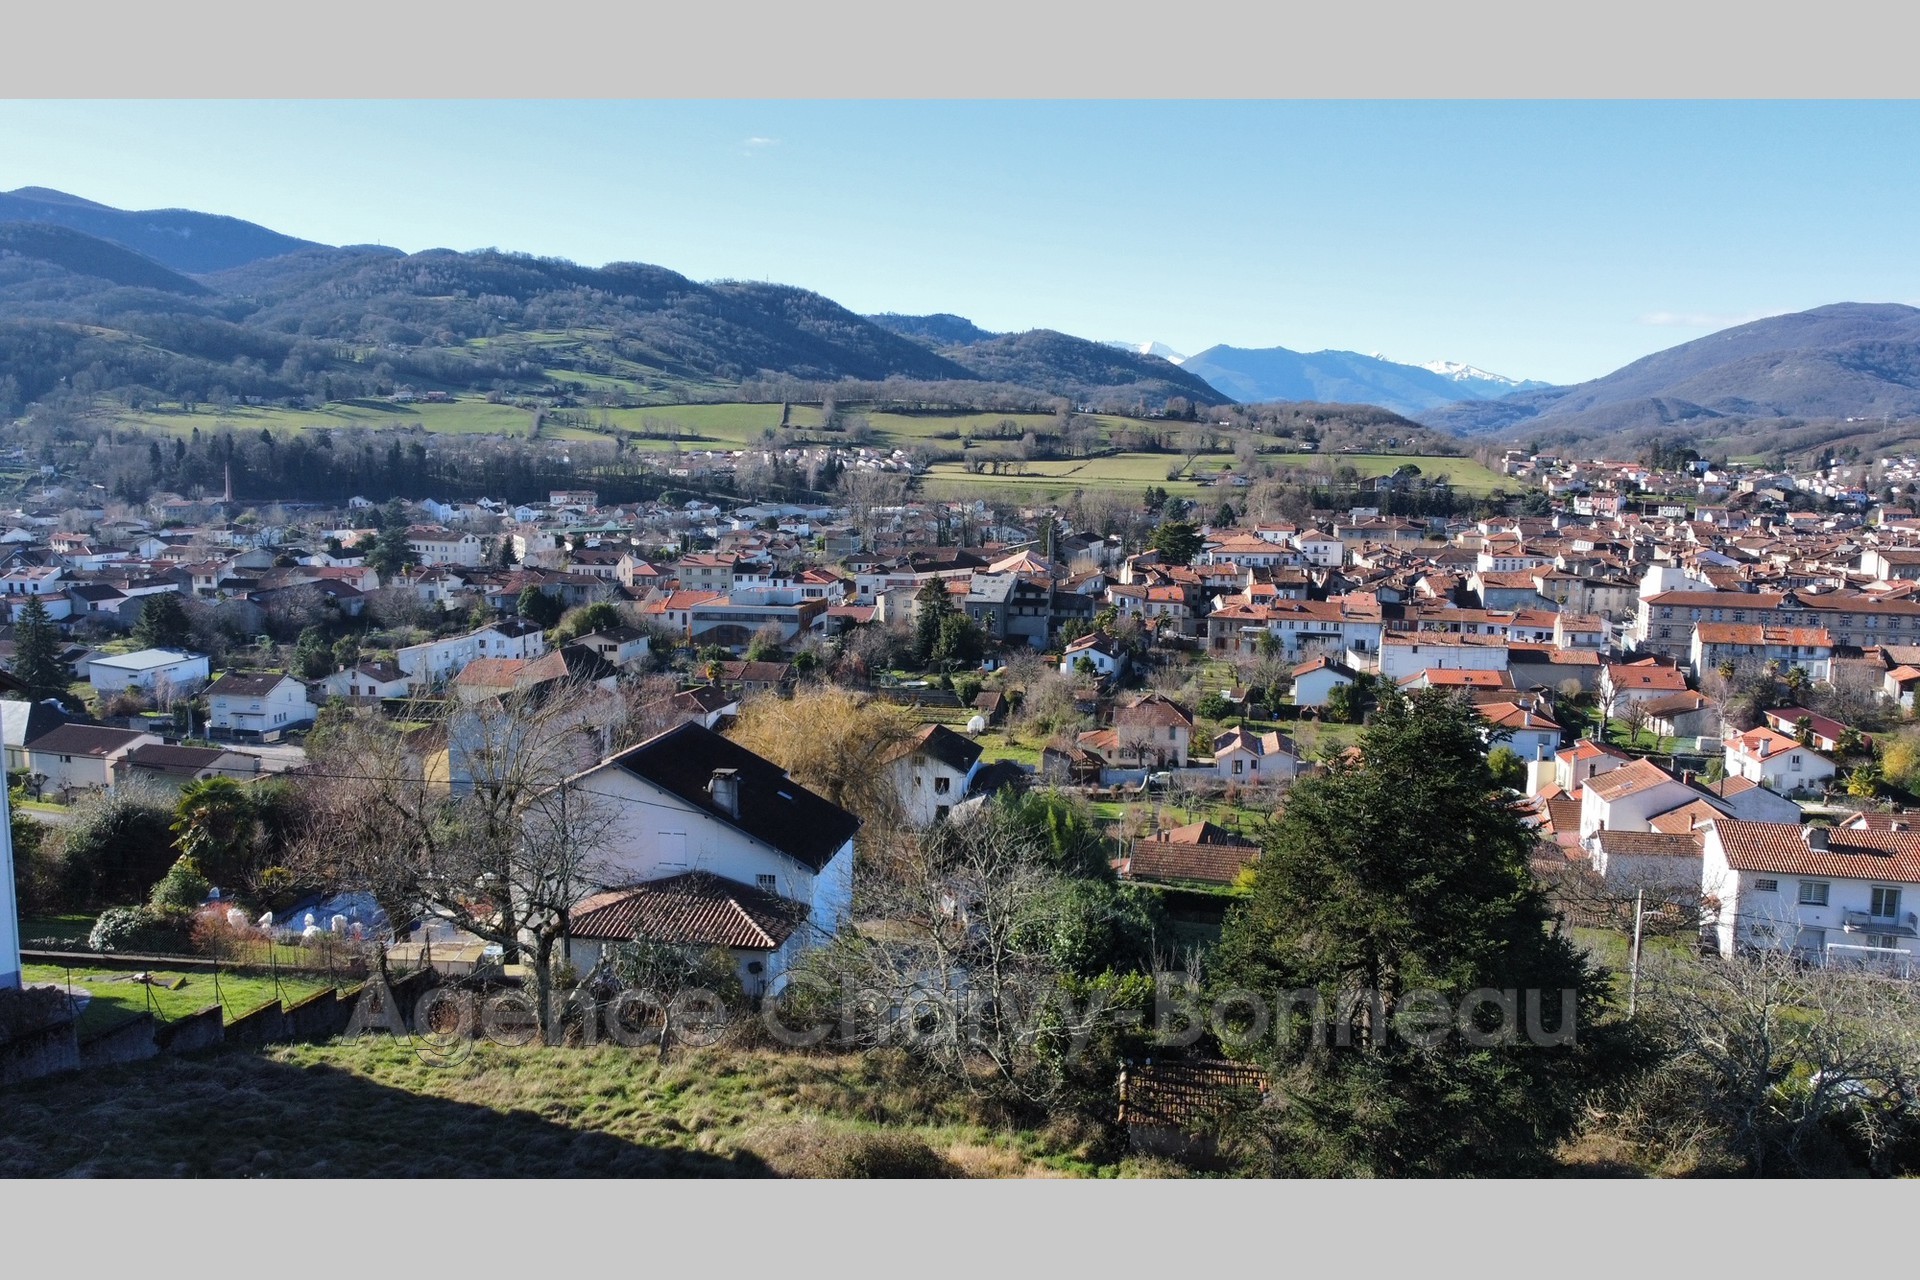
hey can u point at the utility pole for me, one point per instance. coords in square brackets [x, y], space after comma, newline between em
[1633, 964]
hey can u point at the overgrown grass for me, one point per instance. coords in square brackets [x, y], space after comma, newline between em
[373, 1108]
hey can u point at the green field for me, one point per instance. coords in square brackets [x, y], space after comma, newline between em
[1052, 479]
[466, 416]
[1467, 475]
[1138, 470]
[116, 998]
[736, 425]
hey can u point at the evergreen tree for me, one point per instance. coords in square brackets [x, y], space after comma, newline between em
[36, 659]
[313, 653]
[960, 641]
[539, 608]
[932, 606]
[1403, 876]
[163, 623]
[1177, 541]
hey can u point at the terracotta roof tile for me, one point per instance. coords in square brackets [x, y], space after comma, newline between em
[695, 909]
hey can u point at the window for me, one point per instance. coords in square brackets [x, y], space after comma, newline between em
[1796, 759]
[942, 785]
[1886, 902]
[765, 882]
[1766, 886]
[1813, 893]
[1173, 735]
[1237, 766]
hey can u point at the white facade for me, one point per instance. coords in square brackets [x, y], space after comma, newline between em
[1633, 811]
[657, 835]
[282, 707]
[74, 771]
[1776, 761]
[928, 786]
[1811, 914]
[437, 660]
[183, 672]
[1311, 689]
[1405, 654]
[446, 548]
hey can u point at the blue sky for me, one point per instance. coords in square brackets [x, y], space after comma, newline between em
[1546, 240]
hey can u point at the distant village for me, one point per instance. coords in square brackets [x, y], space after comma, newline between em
[1687, 677]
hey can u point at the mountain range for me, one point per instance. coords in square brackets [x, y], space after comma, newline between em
[1845, 365]
[161, 304]
[1276, 373]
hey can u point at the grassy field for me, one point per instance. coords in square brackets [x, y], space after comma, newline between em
[1467, 475]
[1052, 479]
[372, 1108]
[1138, 470]
[116, 998]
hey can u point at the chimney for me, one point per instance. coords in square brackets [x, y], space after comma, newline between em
[724, 790]
[1816, 838]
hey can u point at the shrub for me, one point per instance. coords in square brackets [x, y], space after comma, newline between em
[114, 850]
[1215, 707]
[812, 1150]
[141, 929]
[966, 688]
[183, 886]
[117, 928]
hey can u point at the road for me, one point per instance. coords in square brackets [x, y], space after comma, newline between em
[276, 757]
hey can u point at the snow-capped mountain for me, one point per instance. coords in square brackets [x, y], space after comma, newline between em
[1267, 374]
[1160, 349]
[1467, 373]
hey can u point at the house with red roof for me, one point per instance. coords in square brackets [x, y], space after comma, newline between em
[1829, 894]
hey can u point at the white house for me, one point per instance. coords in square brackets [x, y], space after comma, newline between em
[365, 680]
[439, 545]
[1251, 758]
[21, 723]
[1531, 735]
[1152, 730]
[254, 704]
[1840, 894]
[1630, 797]
[1408, 653]
[931, 772]
[1776, 761]
[1641, 681]
[176, 669]
[1107, 657]
[81, 757]
[1313, 681]
[435, 660]
[1662, 862]
[1321, 549]
[619, 645]
[715, 846]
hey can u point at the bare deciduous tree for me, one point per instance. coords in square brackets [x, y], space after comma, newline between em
[476, 832]
[951, 966]
[1782, 1056]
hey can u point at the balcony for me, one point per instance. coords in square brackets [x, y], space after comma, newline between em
[1906, 925]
